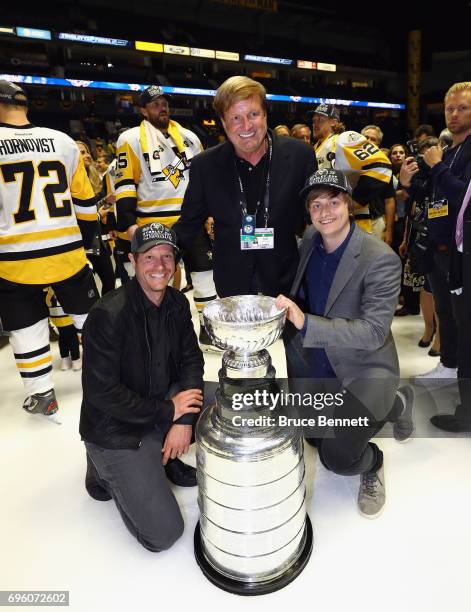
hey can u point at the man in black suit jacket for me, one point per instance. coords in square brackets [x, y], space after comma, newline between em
[251, 181]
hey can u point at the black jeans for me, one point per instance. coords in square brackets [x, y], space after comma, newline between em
[350, 450]
[438, 278]
[136, 480]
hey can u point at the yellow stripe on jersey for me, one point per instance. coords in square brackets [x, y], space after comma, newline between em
[385, 177]
[167, 202]
[61, 321]
[86, 217]
[44, 270]
[167, 221]
[125, 194]
[33, 364]
[32, 236]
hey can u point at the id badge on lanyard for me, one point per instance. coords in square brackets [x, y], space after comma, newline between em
[438, 209]
[255, 238]
[251, 237]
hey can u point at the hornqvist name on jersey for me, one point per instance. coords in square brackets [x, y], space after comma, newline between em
[10, 146]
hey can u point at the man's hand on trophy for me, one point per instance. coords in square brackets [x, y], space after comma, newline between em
[187, 401]
[294, 313]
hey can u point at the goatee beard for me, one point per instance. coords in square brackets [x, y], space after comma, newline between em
[160, 124]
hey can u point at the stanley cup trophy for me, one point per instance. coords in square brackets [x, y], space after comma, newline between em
[253, 536]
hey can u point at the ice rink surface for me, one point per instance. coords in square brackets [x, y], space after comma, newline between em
[414, 557]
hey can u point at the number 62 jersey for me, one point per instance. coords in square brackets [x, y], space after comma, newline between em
[46, 204]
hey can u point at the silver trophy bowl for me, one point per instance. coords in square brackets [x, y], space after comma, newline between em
[244, 326]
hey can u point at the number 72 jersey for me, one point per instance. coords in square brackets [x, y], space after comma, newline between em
[45, 195]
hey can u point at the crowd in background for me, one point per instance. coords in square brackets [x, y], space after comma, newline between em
[416, 296]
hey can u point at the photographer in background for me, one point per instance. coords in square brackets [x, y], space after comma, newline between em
[414, 248]
[449, 174]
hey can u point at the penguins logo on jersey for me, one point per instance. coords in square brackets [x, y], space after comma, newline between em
[354, 137]
[173, 174]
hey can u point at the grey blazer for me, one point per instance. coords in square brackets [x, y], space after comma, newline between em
[355, 330]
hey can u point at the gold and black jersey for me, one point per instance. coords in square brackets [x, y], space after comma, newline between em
[357, 157]
[44, 195]
[143, 196]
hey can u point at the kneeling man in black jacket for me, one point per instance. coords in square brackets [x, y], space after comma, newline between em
[142, 390]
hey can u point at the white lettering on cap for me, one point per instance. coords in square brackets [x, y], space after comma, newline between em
[155, 90]
[155, 231]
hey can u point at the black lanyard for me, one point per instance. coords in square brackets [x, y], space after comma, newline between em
[266, 198]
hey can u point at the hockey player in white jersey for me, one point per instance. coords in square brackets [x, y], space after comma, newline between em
[366, 166]
[47, 214]
[151, 179]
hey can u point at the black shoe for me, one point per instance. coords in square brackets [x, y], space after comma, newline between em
[180, 473]
[426, 343]
[451, 423]
[433, 353]
[92, 483]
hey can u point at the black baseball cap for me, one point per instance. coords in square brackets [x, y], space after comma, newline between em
[327, 177]
[10, 93]
[151, 93]
[151, 235]
[327, 110]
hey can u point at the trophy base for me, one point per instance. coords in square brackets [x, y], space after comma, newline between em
[238, 587]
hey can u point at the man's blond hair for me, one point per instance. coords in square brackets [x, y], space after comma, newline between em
[458, 88]
[236, 89]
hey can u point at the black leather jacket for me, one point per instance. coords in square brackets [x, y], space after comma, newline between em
[116, 409]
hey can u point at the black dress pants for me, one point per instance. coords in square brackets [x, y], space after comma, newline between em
[438, 278]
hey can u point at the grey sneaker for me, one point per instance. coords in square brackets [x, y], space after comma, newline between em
[372, 493]
[41, 403]
[404, 426]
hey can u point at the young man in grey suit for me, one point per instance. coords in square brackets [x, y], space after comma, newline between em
[343, 300]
